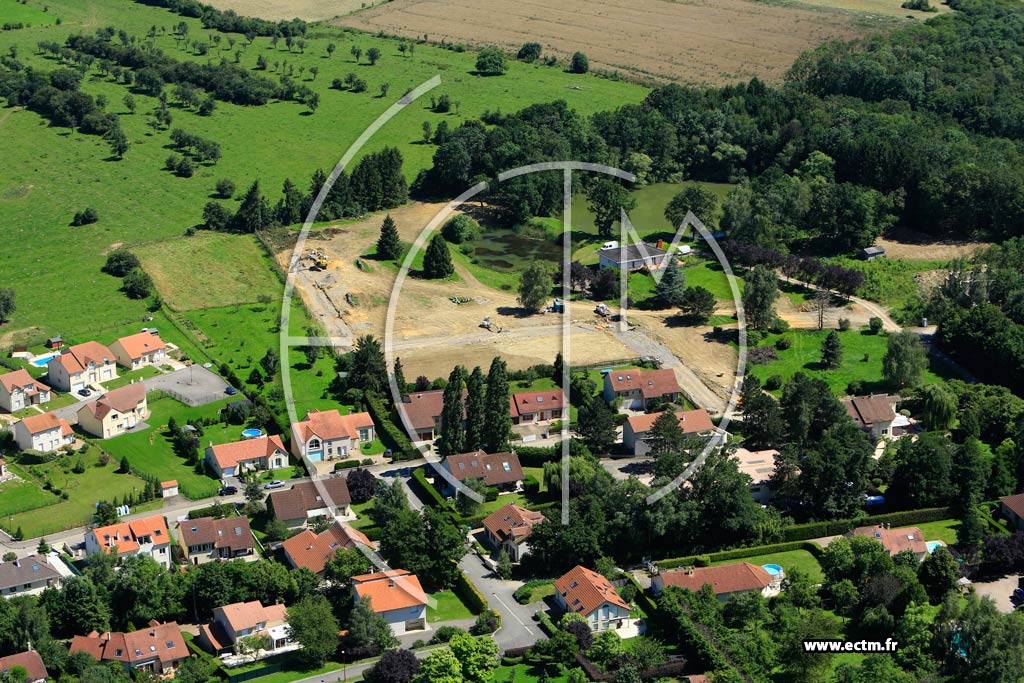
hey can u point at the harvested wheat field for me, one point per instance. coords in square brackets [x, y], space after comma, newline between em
[692, 41]
[310, 10]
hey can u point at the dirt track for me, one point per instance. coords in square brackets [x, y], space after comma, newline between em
[692, 41]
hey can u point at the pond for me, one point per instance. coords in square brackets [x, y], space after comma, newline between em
[505, 250]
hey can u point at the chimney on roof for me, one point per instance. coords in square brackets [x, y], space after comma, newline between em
[17, 562]
[391, 583]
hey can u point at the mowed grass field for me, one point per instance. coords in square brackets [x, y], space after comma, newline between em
[12, 11]
[49, 173]
[209, 269]
[862, 360]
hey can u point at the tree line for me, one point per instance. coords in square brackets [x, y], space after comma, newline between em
[227, 21]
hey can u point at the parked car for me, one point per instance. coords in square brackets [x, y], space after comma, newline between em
[84, 392]
[230, 390]
[276, 484]
[228, 491]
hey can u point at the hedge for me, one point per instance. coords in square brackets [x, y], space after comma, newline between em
[738, 553]
[474, 601]
[393, 436]
[346, 464]
[803, 532]
[536, 456]
[419, 479]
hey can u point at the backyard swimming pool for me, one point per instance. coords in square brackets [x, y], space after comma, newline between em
[772, 569]
[41, 361]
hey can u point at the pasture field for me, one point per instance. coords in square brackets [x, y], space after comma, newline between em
[14, 12]
[209, 269]
[710, 42]
[862, 360]
[52, 172]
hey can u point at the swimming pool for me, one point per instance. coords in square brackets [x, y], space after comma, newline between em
[772, 569]
[43, 360]
[251, 433]
[932, 545]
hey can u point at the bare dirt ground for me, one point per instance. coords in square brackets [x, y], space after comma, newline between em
[692, 41]
[916, 246]
[310, 10]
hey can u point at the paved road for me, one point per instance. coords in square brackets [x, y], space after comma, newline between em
[517, 626]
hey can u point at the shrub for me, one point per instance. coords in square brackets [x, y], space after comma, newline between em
[875, 325]
[460, 228]
[579, 63]
[345, 464]
[491, 62]
[120, 262]
[529, 52]
[855, 388]
[783, 343]
[844, 324]
[225, 188]
[474, 601]
[85, 217]
[773, 383]
[762, 355]
[445, 633]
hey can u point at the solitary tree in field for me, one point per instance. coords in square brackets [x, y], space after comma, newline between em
[535, 286]
[607, 199]
[384, 87]
[529, 52]
[314, 70]
[437, 262]
[698, 304]
[832, 351]
[357, 52]
[129, 103]
[330, 49]
[7, 304]
[427, 130]
[491, 62]
[579, 64]
[389, 246]
[312, 102]
[373, 54]
[118, 142]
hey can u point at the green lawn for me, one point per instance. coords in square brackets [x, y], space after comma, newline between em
[14, 12]
[804, 355]
[362, 510]
[21, 496]
[149, 450]
[541, 591]
[126, 378]
[84, 491]
[527, 673]
[49, 174]
[448, 607]
[943, 530]
[799, 559]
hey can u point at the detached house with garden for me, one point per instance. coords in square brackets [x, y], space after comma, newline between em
[206, 539]
[43, 433]
[395, 595]
[641, 389]
[498, 470]
[327, 435]
[139, 350]
[157, 648]
[81, 366]
[310, 499]
[585, 592]
[147, 536]
[18, 390]
[116, 412]
[249, 455]
[508, 528]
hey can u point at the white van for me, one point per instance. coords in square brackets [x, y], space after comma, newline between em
[610, 245]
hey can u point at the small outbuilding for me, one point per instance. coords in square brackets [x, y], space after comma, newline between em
[871, 253]
[169, 489]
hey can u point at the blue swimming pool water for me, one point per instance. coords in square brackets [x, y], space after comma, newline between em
[43, 360]
[772, 569]
[251, 433]
[932, 545]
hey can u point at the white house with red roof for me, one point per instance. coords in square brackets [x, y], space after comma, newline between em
[326, 435]
[146, 536]
[895, 540]
[43, 433]
[639, 389]
[80, 366]
[585, 592]
[249, 455]
[19, 390]
[636, 430]
[30, 661]
[232, 623]
[508, 528]
[537, 407]
[117, 412]
[726, 581]
[156, 647]
[139, 350]
[395, 595]
[313, 551]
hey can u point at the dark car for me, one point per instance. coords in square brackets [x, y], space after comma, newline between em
[84, 392]
[228, 491]
[230, 390]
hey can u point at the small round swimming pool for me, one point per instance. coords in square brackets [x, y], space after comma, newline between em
[251, 433]
[772, 569]
[932, 545]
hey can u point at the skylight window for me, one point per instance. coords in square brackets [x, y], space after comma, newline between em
[505, 466]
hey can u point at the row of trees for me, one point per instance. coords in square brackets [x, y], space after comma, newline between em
[230, 22]
[475, 413]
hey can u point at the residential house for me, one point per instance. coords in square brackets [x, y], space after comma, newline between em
[538, 407]
[727, 580]
[395, 595]
[508, 527]
[589, 594]
[871, 253]
[639, 389]
[423, 410]
[169, 488]
[206, 539]
[306, 500]
[313, 551]
[876, 415]
[43, 433]
[81, 366]
[139, 350]
[1013, 510]
[30, 661]
[634, 257]
[147, 536]
[896, 540]
[32, 574]
[158, 648]
[759, 466]
[232, 623]
[636, 432]
[500, 470]
[326, 435]
[116, 412]
[18, 390]
[249, 455]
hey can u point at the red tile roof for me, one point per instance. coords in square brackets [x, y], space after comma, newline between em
[241, 616]
[584, 590]
[121, 400]
[136, 345]
[330, 424]
[296, 502]
[230, 454]
[494, 469]
[169, 484]
[127, 535]
[512, 521]
[30, 661]
[651, 383]
[37, 424]
[313, 551]
[529, 402]
[1014, 503]
[390, 590]
[691, 421]
[724, 579]
[21, 379]
[76, 358]
[161, 641]
[894, 540]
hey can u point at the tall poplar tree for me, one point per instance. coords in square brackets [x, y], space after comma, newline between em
[452, 438]
[476, 389]
[497, 421]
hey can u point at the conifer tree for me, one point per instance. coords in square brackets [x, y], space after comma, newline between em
[389, 246]
[452, 436]
[437, 262]
[497, 421]
[476, 389]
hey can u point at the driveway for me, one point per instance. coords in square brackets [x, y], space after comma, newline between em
[517, 626]
[999, 590]
[194, 386]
